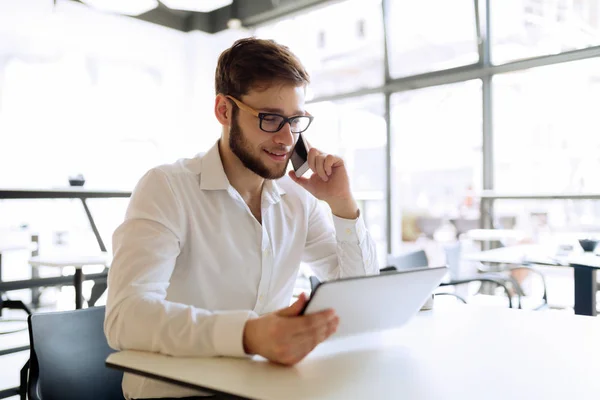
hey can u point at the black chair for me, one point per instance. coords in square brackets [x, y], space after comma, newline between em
[418, 259]
[13, 305]
[20, 390]
[68, 351]
[414, 259]
[507, 269]
[453, 257]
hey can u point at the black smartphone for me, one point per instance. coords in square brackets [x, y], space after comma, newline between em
[300, 157]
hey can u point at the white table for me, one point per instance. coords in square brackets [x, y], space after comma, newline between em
[462, 353]
[78, 261]
[585, 267]
[490, 235]
[520, 254]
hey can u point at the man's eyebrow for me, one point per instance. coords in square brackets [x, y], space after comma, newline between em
[280, 111]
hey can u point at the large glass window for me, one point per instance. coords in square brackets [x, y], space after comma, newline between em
[546, 130]
[342, 56]
[431, 35]
[529, 28]
[437, 155]
[355, 129]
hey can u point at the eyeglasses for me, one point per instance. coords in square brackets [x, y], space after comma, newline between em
[269, 122]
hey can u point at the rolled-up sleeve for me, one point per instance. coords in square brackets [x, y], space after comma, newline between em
[138, 316]
[338, 248]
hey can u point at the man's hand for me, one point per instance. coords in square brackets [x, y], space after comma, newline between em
[285, 337]
[330, 183]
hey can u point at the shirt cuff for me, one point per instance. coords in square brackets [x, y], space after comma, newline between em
[228, 332]
[350, 230]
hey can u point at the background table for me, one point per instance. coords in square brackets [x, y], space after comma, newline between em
[585, 267]
[74, 192]
[465, 352]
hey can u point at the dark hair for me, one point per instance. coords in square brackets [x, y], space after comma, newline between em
[252, 63]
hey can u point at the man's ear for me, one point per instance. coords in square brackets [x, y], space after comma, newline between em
[223, 110]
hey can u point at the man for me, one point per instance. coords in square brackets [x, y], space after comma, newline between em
[207, 257]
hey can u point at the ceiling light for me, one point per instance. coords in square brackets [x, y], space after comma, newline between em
[128, 7]
[196, 5]
[234, 23]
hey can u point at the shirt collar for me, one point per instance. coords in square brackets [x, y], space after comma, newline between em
[213, 175]
[272, 192]
[214, 178]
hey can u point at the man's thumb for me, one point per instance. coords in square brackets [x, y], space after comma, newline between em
[300, 181]
[295, 309]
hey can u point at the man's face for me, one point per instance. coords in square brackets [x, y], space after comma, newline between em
[266, 154]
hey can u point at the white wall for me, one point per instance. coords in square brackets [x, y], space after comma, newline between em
[203, 51]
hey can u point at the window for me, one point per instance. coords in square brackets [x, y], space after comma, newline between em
[100, 119]
[530, 28]
[355, 130]
[42, 150]
[83, 120]
[546, 130]
[431, 35]
[341, 62]
[436, 153]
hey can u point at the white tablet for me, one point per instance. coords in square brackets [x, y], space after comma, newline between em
[375, 302]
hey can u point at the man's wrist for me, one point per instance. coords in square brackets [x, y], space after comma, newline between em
[347, 209]
[246, 338]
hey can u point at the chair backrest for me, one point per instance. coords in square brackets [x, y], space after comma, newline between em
[314, 282]
[453, 256]
[428, 225]
[464, 225]
[68, 351]
[415, 259]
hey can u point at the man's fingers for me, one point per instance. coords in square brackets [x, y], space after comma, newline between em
[309, 341]
[320, 164]
[295, 308]
[312, 322]
[328, 165]
[312, 158]
[299, 346]
[304, 182]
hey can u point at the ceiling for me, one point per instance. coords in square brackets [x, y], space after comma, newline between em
[249, 12]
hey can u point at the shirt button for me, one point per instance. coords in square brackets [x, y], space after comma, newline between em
[349, 231]
[261, 298]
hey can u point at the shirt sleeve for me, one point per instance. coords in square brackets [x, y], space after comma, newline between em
[145, 248]
[339, 248]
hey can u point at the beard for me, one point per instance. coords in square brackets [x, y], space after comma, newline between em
[243, 150]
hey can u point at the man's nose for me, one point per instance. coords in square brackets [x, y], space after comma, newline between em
[284, 136]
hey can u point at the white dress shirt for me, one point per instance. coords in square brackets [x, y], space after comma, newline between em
[192, 264]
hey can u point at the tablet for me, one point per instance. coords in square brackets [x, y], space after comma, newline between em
[375, 302]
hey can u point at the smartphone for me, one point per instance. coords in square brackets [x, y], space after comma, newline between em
[300, 157]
